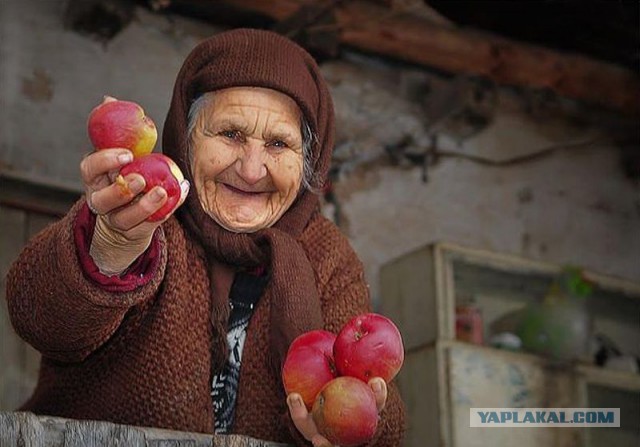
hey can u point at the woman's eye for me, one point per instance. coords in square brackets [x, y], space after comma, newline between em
[278, 144]
[231, 134]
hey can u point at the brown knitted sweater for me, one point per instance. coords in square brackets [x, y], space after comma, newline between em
[144, 357]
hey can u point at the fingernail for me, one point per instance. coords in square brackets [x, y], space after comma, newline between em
[136, 184]
[377, 386]
[184, 186]
[125, 158]
[295, 401]
[157, 195]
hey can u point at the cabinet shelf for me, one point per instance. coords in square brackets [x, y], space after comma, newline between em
[444, 377]
[593, 373]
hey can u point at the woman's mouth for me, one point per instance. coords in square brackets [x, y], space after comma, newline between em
[242, 192]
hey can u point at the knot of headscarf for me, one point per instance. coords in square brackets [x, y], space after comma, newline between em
[256, 58]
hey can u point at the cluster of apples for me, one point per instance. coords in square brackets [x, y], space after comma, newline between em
[123, 124]
[331, 374]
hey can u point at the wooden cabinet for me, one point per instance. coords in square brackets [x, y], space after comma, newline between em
[444, 377]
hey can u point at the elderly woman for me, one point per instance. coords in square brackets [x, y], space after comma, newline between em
[185, 323]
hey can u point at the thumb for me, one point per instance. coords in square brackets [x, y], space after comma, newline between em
[379, 388]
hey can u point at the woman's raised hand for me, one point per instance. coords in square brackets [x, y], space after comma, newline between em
[122, 232]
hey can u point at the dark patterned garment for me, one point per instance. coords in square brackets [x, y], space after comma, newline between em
[244, 294]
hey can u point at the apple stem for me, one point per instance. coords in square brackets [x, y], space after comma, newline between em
[123, 186]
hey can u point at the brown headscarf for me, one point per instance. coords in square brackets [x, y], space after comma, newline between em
[255, 58]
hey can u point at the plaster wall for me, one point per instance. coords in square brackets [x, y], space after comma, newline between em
[52, 77]
[572, 206]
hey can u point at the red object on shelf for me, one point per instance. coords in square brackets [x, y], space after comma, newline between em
[469, 326]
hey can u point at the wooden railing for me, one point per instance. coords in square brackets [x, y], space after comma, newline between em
[27, 429]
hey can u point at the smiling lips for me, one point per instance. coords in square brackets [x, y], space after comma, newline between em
[244, 192]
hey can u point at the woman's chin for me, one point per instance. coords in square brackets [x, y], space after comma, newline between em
[244, 222]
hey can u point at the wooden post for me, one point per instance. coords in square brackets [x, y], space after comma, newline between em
[27, 429]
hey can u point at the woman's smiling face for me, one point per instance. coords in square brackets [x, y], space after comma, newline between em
[247, 157]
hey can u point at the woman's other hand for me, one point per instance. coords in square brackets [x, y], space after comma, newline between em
[122, 232]
[303, 420]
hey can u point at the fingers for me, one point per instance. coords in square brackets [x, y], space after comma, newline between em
[184, 191]
[124, 209]
[301, 417]
[137, 212]
[379, 388]
[95, 168]
[303, 421]
[115, 195]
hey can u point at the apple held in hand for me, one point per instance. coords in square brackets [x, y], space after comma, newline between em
[345, 412]
[309, 365]
[157, 170]
[122, 124]
[368, 346]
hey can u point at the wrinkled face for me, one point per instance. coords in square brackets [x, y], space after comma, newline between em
[247, 160]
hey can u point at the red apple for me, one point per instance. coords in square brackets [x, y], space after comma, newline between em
[368, 346]
[309, 365]
[115, 124]
[319, 338]
[157, 170]
[345, 412]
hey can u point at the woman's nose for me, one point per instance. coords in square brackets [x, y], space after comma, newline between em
[250, 165]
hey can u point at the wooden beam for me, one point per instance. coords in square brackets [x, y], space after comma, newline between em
[501, 60]
[373, 28]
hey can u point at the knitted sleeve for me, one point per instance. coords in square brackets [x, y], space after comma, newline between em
[345, 294]
[55, 306]
[139, 273]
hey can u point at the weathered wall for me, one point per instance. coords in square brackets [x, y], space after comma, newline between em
[51, 78]
[571, 206]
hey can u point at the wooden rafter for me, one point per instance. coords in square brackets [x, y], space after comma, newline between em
[372, 27]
